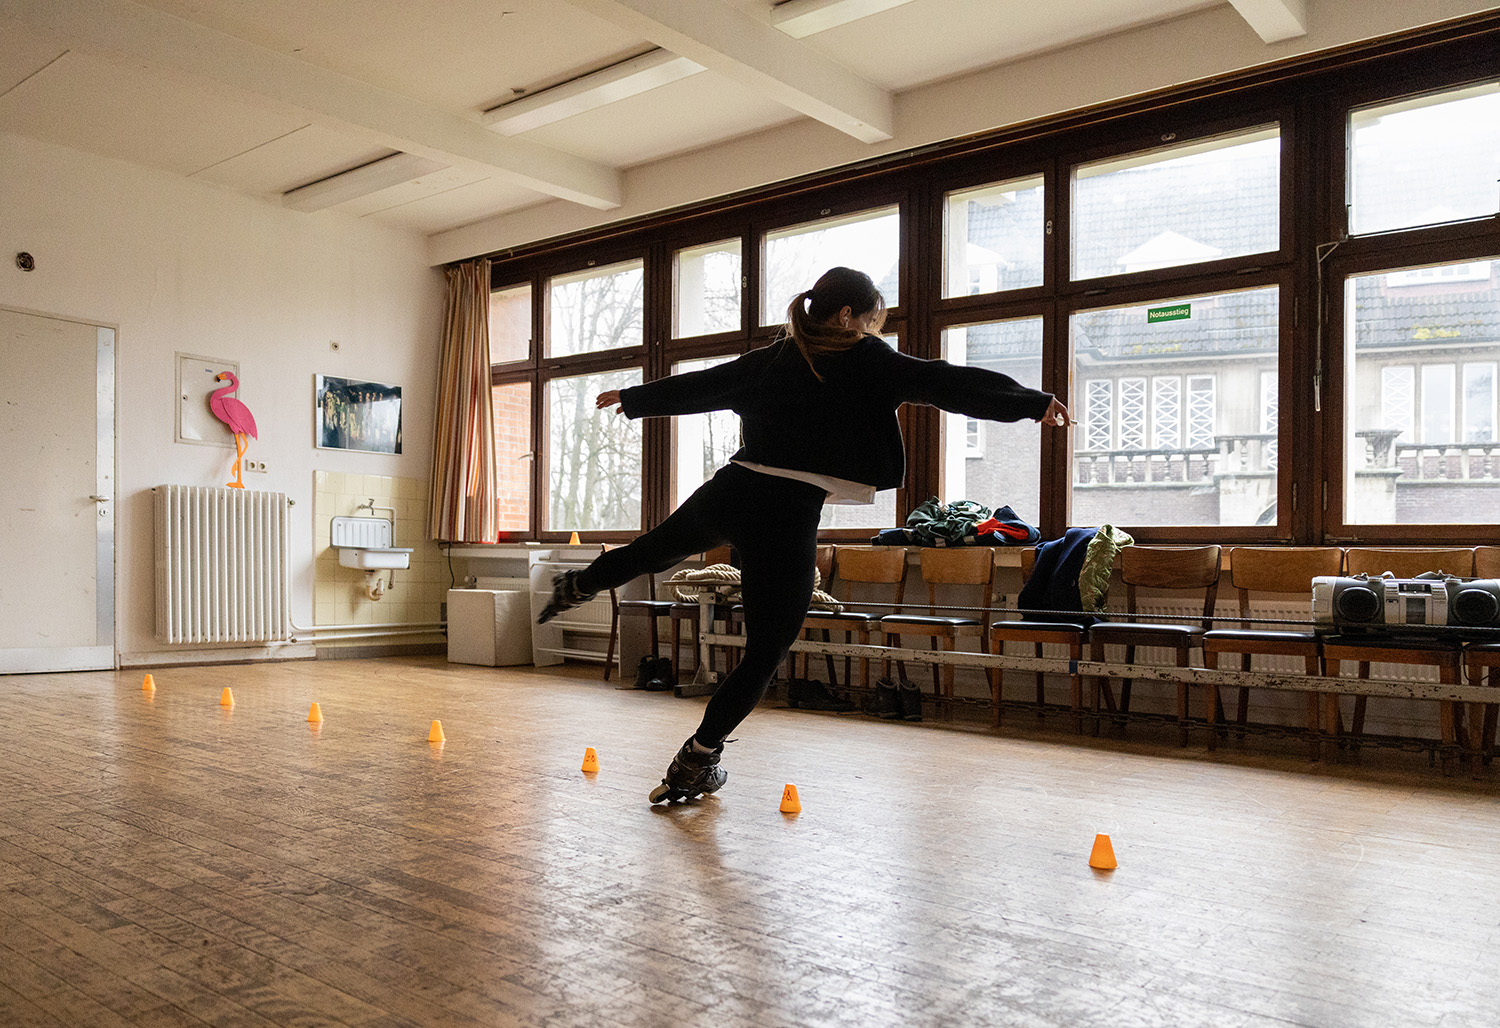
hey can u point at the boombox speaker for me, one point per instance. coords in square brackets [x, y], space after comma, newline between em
[1364, 603]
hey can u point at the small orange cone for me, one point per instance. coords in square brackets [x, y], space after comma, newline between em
[436, 735]
[573, 539]
[1103, 856]
[226, 698]
[590, 760]
[790, 804]
[315, 714]
[149, 685]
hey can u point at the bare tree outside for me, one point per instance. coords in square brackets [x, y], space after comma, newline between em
[796, 257]
[595, 310]
[593, 456]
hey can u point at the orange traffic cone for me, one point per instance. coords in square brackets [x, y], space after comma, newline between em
[573, 539]
[436, 735]
[226, 698]
[1103, 856]
[590, 760]
[149, 685]
[790, 804]
[315, 714]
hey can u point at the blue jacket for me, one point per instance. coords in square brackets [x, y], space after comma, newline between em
[1053, 584]
[844, 425]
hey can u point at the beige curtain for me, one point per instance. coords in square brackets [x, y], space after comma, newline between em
[463, 453]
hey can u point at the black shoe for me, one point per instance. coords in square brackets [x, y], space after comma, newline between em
[887, 700]
[659, 676]
[565, 596]
[808, 694]
[911, 701]
[691, 774]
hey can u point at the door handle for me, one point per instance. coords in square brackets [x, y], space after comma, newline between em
[99, 499]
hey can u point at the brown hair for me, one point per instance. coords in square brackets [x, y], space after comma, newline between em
[810, 315]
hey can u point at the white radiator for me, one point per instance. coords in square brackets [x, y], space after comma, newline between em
[221, 559]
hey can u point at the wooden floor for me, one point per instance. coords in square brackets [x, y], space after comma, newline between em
[166, 862]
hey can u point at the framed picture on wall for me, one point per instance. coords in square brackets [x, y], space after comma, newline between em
[353, 415]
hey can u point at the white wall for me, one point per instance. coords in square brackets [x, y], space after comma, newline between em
[1210, 42]
[178, 266]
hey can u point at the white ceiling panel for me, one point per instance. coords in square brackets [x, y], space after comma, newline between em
[304, 155]
[692, 112]
[460, 54]
[97, 106]
[23, 55]
[461, 205]
[940, 39]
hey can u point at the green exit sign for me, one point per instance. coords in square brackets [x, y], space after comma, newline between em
[1177, 312]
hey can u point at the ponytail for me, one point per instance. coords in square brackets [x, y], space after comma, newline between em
[811, 314]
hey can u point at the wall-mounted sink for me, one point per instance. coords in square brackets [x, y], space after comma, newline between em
[375, 558]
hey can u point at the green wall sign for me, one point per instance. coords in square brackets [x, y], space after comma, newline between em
[1177, 312]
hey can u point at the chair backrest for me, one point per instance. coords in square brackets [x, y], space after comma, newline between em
[959, 565]
[825, 566]
[872, 565]
[1175, 569]
[1409, 563]
[1028, 563]
[1487, 562]
[1279, 569]
[718, 555]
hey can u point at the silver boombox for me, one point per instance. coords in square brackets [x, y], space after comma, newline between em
[1365, 603]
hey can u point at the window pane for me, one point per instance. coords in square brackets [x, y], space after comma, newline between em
[703, 442]
[796, 257]
[706, 293]
[513, 454]
[1006, 467]
[992, 238]
[510, 324]
[1425, 161]
[1186, 205]
[1419, 436]
[1197, 363]
[593, 456]
[598, 309]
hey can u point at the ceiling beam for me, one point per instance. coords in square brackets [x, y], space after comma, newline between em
[737, 46]
[220, 61]
[801, 18]
[1274, 20]
[589, 92]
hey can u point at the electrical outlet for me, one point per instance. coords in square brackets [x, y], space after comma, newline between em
[258, 466]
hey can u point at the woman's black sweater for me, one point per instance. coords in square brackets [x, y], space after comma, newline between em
[844, 426]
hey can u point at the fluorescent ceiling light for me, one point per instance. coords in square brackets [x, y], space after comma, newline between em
[361, 181]
[800, 18]
[591, 91]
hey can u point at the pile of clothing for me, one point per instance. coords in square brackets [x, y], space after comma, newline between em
[961, 523]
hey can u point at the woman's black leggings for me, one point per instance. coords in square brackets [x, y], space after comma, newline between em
[773, 524]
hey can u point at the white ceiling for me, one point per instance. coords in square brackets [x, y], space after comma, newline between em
[263, 96]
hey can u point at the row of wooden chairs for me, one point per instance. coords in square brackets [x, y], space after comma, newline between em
[1265, 572]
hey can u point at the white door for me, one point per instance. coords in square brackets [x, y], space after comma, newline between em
[57, 511]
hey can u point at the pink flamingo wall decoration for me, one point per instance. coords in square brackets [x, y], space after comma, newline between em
[237, 416]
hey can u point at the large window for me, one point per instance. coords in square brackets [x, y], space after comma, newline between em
[1310, 246]
[1426, 160]
[1420, 400]
[1174, 422]
[796, 256]
[1185, 205]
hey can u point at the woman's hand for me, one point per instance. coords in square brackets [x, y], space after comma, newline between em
[608, 398]
[1057, 414]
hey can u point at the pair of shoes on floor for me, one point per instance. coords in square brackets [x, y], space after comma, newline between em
[654, 674]
[892, 700]
[690, 775]
[807, 694]
[565, 596]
